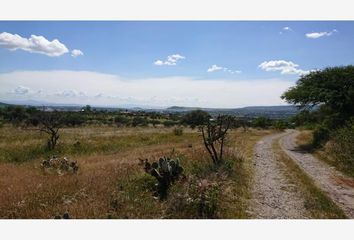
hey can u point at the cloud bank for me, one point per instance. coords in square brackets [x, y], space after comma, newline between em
[83, 87]
[21, 90]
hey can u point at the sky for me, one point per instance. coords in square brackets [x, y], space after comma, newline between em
[166, 63]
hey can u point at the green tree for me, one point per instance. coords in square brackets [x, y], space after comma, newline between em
[87, 108]
[15, 114]
[261, 122]
[121, 120]
[196, 118]
[332, 89]
[139, 121]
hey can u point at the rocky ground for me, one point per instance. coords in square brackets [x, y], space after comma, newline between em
[273, 195]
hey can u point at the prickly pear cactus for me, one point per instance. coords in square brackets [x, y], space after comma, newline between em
[60, 164]
[166, 171]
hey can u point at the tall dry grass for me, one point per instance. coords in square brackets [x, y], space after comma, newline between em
[110, 183]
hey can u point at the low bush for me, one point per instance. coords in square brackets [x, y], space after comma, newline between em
[170, 123]
[121, 120]
[154, 122]
[178, 131]
[139, 121]
[342, 147]
[197, 198]
[280, 125]
[320, 136]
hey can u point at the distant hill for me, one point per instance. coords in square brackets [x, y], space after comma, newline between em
[275, 112]
[254, 111]
[3, 104]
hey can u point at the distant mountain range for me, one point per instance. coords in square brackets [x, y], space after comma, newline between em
[246, 109]
[283, 111]
[36, 103]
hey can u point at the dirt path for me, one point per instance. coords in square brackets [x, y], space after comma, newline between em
[330, 181]
[273, 195]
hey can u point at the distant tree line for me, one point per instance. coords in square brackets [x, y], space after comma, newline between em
[26, 116]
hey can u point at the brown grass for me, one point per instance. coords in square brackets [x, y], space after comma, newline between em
[110, 183]
[304, 140]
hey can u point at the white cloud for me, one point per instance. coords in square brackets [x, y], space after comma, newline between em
[76, 52]
[82, 94]
[158, 62]
[315, 35]
[174, 58]
[215, 67]
[67, 93]
[65, 87]
[285, 67]
[232, 71]
[286, 29]
[99, 95]
[34, 44]
[171, 60]
[21, 90]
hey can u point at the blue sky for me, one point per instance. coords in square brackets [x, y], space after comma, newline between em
[128, 62]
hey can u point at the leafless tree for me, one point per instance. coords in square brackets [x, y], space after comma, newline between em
[214, 133]
[50, 123]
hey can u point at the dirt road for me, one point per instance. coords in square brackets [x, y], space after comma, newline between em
[273, 195]
[338, 187]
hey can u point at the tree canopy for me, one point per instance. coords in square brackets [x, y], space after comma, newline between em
[196, 118]
[332, 89]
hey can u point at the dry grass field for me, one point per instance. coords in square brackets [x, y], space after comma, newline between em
[111, 184]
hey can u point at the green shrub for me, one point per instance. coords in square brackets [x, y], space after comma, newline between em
[154, 122]
[147, 183]
[170, 123]
[280, 125]
[343, 147]
[120, 120]
[139, 121]
[261, 122]
[320, 136]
